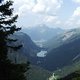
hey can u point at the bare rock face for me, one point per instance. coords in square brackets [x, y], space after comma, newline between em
[28, 51]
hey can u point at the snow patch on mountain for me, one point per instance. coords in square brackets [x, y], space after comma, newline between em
[76, 57]
[67, 36]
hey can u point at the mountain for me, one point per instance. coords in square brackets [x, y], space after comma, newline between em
[63, 38]
[62, 56]
[67, 70]
[28, 53]
[42, 33]
[29, 49]
[67, 51]
[73, 76]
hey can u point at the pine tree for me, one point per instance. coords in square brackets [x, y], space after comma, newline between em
[9, 70]
[1, 1]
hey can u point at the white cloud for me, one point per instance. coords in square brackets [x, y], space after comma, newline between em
[76, 12]
[47, 6]
[33, 12]
[22, 10]
[76, 1]
[39, 6]
[50, 18]
[52, 21]
[74, 19]
[58, 22]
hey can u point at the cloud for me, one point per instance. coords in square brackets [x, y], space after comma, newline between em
[50, 18]
[71, 24]
[76, 1]
[33, 12]
[52, 21]
[74, 20]
[76, 12]
[39, 6]
[47, 6]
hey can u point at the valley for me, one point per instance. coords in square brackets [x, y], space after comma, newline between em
[57, 55]
[44, 44]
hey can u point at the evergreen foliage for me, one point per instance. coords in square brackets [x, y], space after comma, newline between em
[73, 76]
[9, 70]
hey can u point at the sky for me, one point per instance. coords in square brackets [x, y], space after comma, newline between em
[64, 14]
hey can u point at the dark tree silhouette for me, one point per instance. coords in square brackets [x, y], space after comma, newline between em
[1, 1]
[9, 70]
